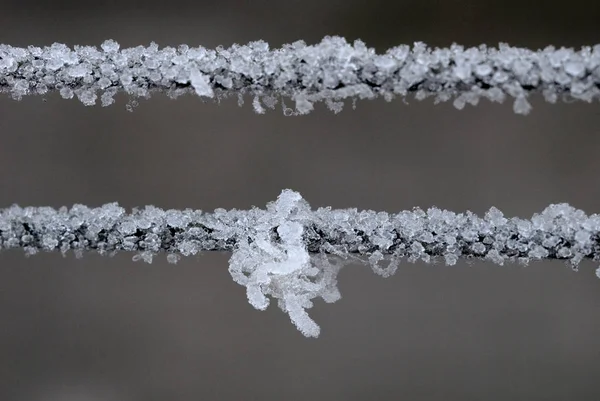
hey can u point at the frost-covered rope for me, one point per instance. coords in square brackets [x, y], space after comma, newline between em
[330, 71]
[284, 251]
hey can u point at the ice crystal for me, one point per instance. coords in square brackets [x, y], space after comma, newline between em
[292, 254]
[330, 71]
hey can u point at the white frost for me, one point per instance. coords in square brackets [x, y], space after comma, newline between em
[201, 83]
[283, 269]
[329, 71]
[292, 254]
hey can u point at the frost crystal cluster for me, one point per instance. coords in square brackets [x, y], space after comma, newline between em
[293, 254]
[330, 71]
[273, 260]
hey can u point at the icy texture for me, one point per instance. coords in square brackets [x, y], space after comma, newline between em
[293, 254]
[330, 71]
[282, 269]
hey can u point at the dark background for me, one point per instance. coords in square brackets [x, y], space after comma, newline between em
[97, 328]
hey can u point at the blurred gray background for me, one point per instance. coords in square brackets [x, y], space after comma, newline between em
[98, 328]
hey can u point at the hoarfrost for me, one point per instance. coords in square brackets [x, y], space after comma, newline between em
[283, 270]
[292, 254]
[330, 71]
[200, 83]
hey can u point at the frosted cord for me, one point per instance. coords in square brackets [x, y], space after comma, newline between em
[293, 253]
[330, 71]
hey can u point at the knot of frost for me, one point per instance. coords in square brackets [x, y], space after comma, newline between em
[272, 260]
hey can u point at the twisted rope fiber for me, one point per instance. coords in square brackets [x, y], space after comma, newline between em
[330, 71]
[282, 252]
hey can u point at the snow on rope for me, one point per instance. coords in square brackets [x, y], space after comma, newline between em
[292, 253]
[331, 71]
